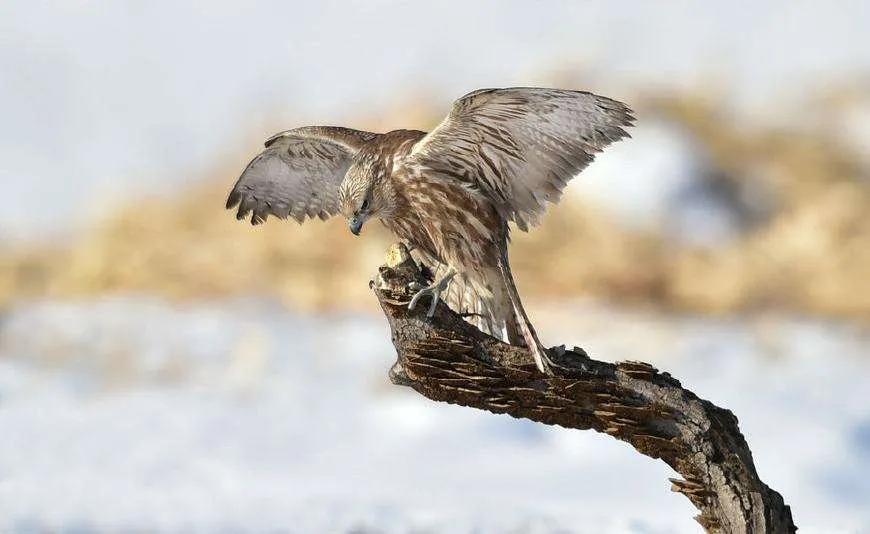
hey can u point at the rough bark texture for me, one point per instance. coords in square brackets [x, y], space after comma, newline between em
[446, 359]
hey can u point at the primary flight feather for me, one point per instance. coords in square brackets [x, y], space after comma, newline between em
[500, 156]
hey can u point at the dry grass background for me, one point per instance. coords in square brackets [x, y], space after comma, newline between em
[811, 256]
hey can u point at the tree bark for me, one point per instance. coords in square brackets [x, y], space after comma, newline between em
[447, 359]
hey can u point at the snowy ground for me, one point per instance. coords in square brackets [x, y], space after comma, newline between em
[132, 414]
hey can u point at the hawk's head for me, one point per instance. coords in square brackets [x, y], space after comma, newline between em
[366, 192]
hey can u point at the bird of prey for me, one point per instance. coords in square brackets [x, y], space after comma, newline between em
[499, 157]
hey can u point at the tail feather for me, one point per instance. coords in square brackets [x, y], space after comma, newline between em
[488, 297]
[504, 311]
[520, 319]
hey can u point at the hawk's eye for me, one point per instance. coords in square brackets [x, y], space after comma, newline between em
[365, 205]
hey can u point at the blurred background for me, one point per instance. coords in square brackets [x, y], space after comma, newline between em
[164, 368]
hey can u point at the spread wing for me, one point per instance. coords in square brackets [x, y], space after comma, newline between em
[298, 175]
[521, 146]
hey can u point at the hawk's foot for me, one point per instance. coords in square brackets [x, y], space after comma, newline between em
[550, 367]
[434, 291]
[544, 363]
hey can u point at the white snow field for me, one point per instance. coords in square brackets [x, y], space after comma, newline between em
[132, 414]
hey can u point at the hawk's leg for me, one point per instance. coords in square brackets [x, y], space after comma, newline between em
[434, 291]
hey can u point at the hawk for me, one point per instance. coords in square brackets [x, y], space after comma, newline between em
[499, 157]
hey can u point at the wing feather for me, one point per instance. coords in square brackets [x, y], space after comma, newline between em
[522, 145]
[298, 174]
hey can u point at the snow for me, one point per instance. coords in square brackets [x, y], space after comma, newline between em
[235, 416]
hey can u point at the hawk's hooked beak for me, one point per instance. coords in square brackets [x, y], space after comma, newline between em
[355, 224]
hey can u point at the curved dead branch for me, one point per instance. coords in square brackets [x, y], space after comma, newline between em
[446, 359]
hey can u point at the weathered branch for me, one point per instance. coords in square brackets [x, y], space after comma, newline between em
[446, 359]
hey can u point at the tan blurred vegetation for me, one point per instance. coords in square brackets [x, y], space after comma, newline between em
[812, 256]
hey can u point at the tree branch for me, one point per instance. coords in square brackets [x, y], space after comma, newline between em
[447, 359]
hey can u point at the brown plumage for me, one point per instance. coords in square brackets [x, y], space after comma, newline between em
[500, 156]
